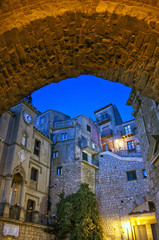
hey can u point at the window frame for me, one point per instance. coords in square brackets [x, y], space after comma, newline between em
[88, 128]
[132, 179]
[64, 136]
[34, 175]
[144, 175]
[55, 154]
[127, 129]
[85, 154]
[37, 148]
[131, 149]
[59, 171]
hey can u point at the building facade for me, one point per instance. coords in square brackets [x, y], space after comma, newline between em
[25, 170]
[75, 155]
[117, 136]
[52, 154]
[122, 184]
[146, 112]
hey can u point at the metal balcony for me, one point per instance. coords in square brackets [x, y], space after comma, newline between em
[107, 134]
[89, 146]
[103, 119]
[129, 133]
[64, 124]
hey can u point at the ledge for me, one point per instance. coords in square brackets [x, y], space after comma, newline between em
[128, 159]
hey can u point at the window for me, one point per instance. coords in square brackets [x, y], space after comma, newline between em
[59, 171]
[88, 128]
[53, 137]
[127, 129]
[131, 175]
[42, 120]
[104, 116]
[37, 147]
[63, 136]
[24, 139]
[55, 154]
[84, 156]
[31, 205]
[131, 146]
[144, 173]
[34, 174]
[151, 206]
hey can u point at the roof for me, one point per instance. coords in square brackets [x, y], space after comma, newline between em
[103, 108]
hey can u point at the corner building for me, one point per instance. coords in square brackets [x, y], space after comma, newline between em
[75, 155]
[24, 174]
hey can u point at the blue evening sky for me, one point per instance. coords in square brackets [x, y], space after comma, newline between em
[83, 95]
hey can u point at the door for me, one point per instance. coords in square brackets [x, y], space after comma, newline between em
[140, 232]
[155, 232]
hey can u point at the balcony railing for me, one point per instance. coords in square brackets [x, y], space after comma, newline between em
[89, 146]
[36, 217]
[14, 212]
[64, 124]
[128, 132]
[103, 119]
[107, 133]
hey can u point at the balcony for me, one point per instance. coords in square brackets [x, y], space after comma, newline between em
[89, 146]
[128, 133]
[64, 124]
[107, 134]
[103, 119]
[14, 212]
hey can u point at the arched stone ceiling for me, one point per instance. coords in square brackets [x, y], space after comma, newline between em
[48, 41]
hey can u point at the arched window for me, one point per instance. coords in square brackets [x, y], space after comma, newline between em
[24, 139]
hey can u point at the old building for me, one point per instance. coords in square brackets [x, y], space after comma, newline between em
[122, 185]
[146, 112]
[24, 173]
[117, 136]
[75, 154]
[105, 154]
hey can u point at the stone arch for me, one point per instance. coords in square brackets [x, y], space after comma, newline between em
[19, 169]
[43, 42]
[133, 202]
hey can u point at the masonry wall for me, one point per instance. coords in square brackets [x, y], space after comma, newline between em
[113, 190]
[147, 121]
[26, 231]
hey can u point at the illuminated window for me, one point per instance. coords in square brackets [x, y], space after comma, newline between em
[127, 129]
[59, 171]
[144, 173]
[131, 146]
[131, 175]
[37, 147]
[24, 139]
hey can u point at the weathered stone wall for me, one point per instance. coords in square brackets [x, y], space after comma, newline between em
[26, 231]
[147, 121]
[43, 42]
[113, 191]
